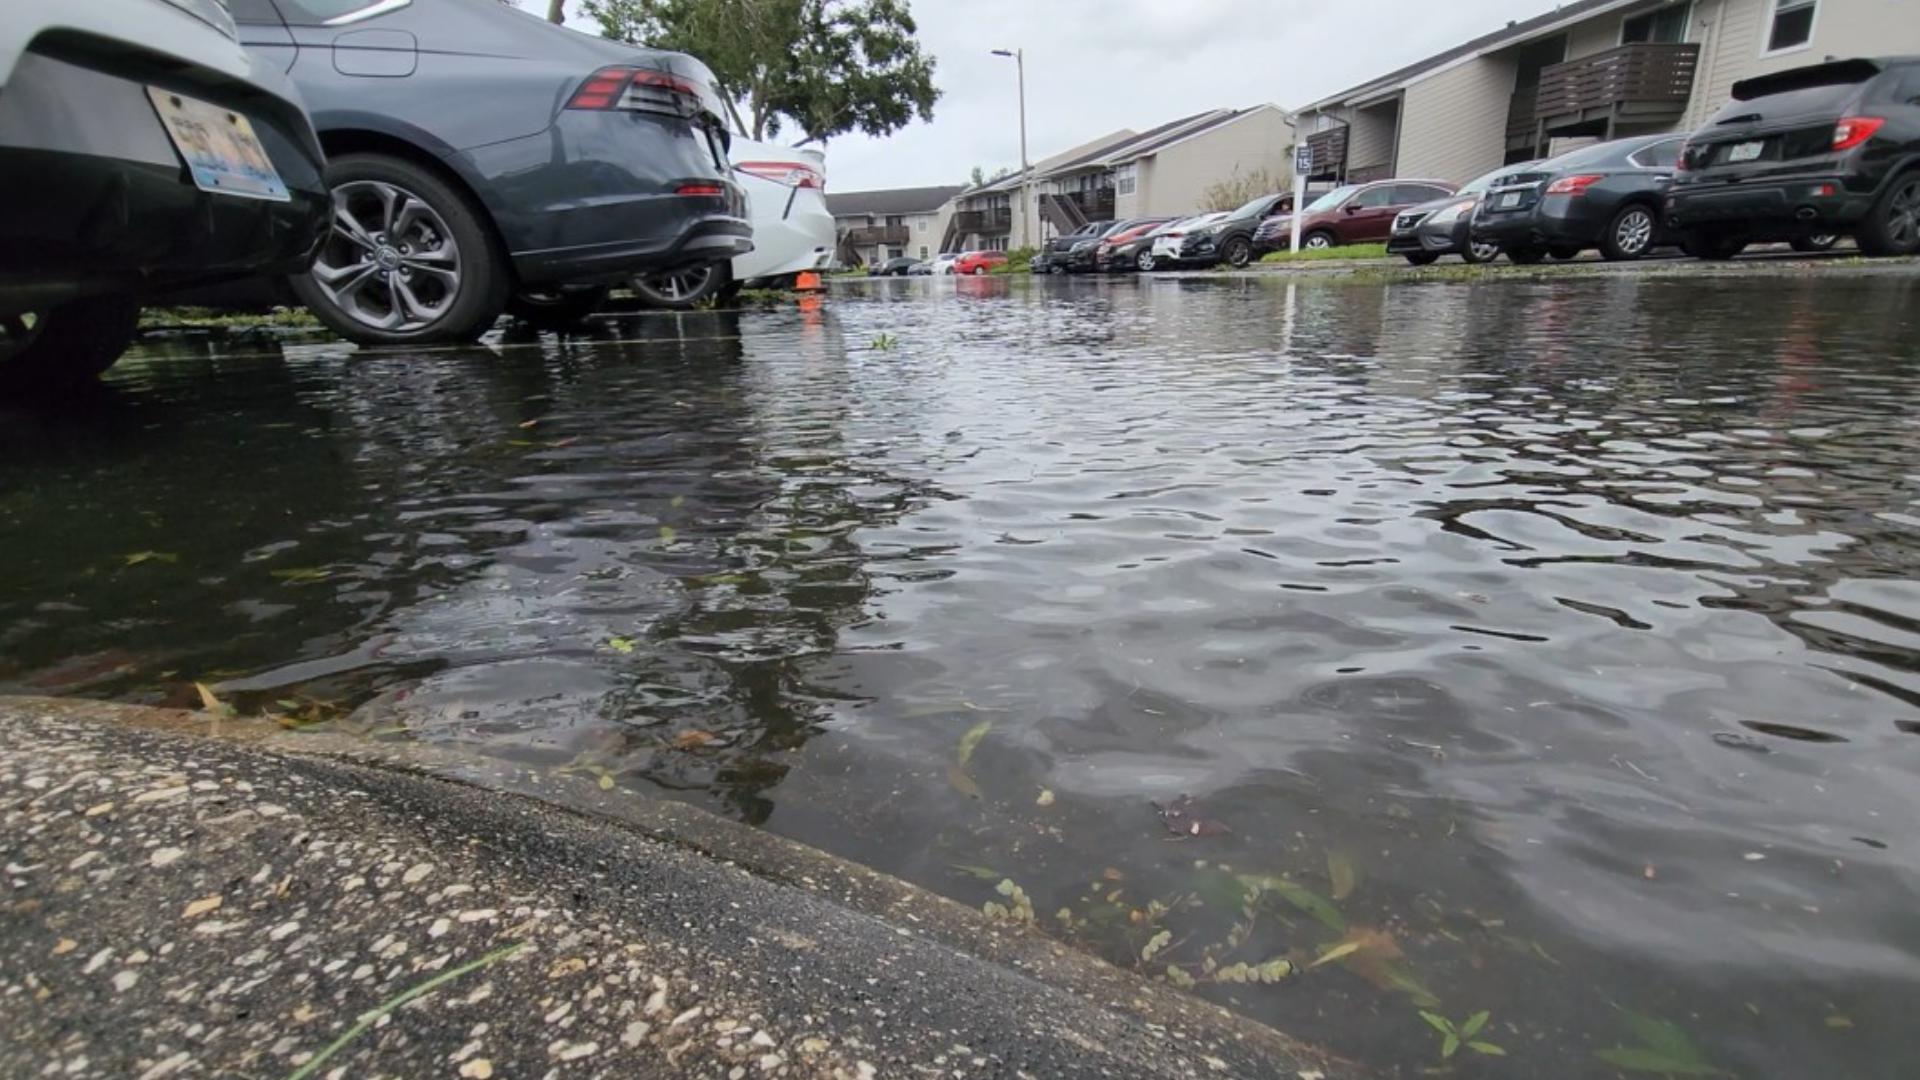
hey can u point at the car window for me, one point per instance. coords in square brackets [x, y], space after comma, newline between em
[1909, 91]
[1374, 198]
[1331, 199]
[1409, 194]
[328, 12]
[1661, 155]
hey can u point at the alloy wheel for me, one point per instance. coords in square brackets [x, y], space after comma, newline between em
[1903, 216]
[1483, 251]
[1633, 233]
[1144, 261]
[1318, 240]
[390, 262]
[680, 284]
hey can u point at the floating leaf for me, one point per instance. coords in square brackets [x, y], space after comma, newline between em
[138, 557]
[211, 703]
[1155, 944]
[1301, 897]
[971, 740]
[1182, 817]
[1439, 1023]
[1340, 872]
[1474, 1024]
[606, 781]
[1665, 1049]
[1178, 977]
[667, 534]
[1045, 799]
[1487, 1048]
[1396, 978]
[984, 873]
[1336, 952]
[962, 783]
[1219, 889]
[620, 645]
[1449, 1045]
[693, 740]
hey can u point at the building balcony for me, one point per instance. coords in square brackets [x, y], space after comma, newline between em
[1328, 152]
[866, 235]
[1096, 204]
[996, 219]
[1645, 83]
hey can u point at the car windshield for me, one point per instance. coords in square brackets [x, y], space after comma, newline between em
[1331, 199]
[1254, 208]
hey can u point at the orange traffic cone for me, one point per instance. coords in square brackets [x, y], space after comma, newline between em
[807, 281]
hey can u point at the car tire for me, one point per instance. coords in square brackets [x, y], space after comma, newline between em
[680, 290]
[1318, 238]
[1892, 227]
[1630, 233]
[1421, 258]
[557, 309]
[1237, 253]
[1713, 246]
[1809, 245]
[1525, 256]
[465, 276]
[979, 271]
[1143, 262]
[1477, 253]
[68, 344]
[1564, 254]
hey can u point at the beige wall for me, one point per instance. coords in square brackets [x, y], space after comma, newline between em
[1371, 139]
[1176, 178]
[1736, 32]
[1453, 124]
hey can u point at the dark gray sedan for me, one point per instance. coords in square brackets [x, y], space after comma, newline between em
[479, 154]
[1424, 233]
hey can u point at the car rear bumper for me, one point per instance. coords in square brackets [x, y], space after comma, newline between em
[1447, 238]
[1555, 221]
[792, 232]
[599, 200]
[1782, 208]
[94, 199]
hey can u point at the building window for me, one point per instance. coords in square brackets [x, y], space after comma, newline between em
[894, 253]
[923, 251]
[923, 228]
[1792, 25]
[1665, 26]
[1123, 182]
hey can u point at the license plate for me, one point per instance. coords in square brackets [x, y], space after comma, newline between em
[1746, 151]
[1506, 200]
[222, 152]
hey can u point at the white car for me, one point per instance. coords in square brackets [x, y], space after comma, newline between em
[792, 230]
[943, 262]
[1166, 242]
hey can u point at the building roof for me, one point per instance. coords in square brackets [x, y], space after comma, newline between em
[1119, 151]
[1151, 143]
[918, 200]
[1512, 33]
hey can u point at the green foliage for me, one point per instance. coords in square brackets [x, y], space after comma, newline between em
[1019, 261]
[1664, 1049]
[1018, 908]
[887, 343]
[1299, 896]
[1350, 251]
[1453, 1036]
[825, 66]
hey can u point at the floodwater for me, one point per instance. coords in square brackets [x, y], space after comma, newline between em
[1546, 649]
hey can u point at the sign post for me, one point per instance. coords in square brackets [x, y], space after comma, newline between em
[1302, 163]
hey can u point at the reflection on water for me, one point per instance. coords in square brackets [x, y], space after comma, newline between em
[1545, 649]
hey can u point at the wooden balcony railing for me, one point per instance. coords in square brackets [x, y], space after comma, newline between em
[1646, 81]
[1096, 204]
[996, 219]
[1328, 150]
[865, 235]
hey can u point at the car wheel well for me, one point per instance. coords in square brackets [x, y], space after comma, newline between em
[341, 141]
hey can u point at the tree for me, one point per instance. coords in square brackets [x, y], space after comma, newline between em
[978, 177]
[1237, 190]
[557, 11]
[825, 66]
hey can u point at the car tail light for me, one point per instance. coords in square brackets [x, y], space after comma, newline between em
[699, 189]
[1686, 158]
[1853, 130]
[637, 89]
[790, 173]
[1574, 185]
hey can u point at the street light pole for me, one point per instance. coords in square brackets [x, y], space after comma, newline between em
[1026, 178]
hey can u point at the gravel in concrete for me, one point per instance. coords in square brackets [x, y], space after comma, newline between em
[179, 906]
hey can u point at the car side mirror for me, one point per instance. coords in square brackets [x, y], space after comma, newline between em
[1352, 208]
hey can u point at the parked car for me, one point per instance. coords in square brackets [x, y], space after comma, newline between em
[1080, 258]
[943, 262]
[480, 155]
[1804, 154]
[140, 148]
[1607, 195]
[920, 269]
[979, 262]
[1051, 258]
[1164, 252]
[894, 267]
[1354, 214]
[1117, 252]
[786, 189]
[1230, 240]
[1425, 232]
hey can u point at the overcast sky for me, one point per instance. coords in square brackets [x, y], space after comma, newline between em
[1097, 65]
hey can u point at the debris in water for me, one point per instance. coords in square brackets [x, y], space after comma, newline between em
[1182, 817]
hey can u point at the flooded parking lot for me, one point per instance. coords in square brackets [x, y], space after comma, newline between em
[1548, 650]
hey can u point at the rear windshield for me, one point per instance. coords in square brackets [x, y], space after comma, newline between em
[1606, 153]
[1811, 101]
[1840, 77]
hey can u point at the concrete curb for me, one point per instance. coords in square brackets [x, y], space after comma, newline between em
[182, 905]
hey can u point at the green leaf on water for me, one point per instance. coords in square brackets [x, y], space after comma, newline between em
[1405, 982]
[1488, 1048]
[961, 782]
[1474, 1024]
[1450, 1045]
[971, 740]
[1336, 952]
[138, 557]
[1155, 944]
[1219, 889]
[1178, 977]
[984, 873]
[620, 644]
[1665, 1049]
[1319, 907]
[1439, 1023]
[667, 534]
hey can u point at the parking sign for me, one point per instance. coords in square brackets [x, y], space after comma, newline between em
[1302, 159]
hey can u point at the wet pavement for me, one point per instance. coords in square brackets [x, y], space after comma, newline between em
[1547, 648]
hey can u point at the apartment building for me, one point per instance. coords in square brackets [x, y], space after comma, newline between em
[875, 226]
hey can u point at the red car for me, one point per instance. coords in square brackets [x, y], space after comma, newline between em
[1353, 214]
[979, 262]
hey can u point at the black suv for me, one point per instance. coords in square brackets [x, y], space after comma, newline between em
[1803, 154]
[1052, 256]
[1230, 240]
